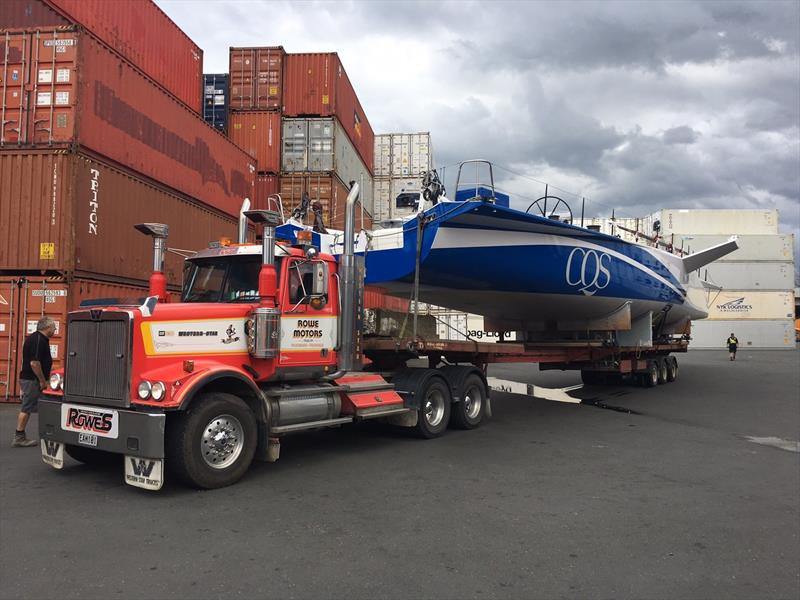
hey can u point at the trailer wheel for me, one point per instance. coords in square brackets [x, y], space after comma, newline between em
[672, 368]
[649, 378]
[92, 456]
[432, 394]
[472, 394]
[663, 371]
[212, 444]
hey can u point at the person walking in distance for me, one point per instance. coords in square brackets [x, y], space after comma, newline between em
[733, 343]
[34, 375]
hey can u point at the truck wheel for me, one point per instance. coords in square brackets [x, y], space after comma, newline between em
[663, 374]
[472, 392]
[432, 394]
[650, 377]
[672, 368]
[90, 456]
[213, 443]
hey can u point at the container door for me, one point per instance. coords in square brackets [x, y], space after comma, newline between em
[242, 68]
[15, 53]
[54, 80]
[45, 296]
[269, 78]
[295, 135]
[9, 335]
[320, 145]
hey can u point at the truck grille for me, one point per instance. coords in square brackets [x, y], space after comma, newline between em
[98, 358]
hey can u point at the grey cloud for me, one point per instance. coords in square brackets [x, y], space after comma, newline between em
[680, 135]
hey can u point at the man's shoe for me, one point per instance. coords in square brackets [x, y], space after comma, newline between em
[20, 441]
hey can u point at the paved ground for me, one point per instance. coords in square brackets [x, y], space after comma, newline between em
[664, 497]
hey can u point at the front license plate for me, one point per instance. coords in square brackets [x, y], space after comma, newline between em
[147, 473]
[87, 439]
[95, 420]
[53, 453]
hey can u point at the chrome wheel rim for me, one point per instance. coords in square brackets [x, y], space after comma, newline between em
[222, 441]
[434, 408]
[473, 400]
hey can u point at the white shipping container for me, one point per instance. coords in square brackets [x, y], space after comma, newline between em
[315, 145]
[396, 197]
[451, 326]
[750, 275]
[751, 247]
[402, 154]
[743, 305]
[718, 221]
[778, 333]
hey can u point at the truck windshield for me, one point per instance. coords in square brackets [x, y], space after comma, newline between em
[224, 279]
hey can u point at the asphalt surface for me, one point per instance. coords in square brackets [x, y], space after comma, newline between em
[659, 495]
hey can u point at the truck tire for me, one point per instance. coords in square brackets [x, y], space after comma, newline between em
[213, 443]
[649, 378]
[91, 456]
[663, 370]
[472, 393]
[672, 368]
[432, 394]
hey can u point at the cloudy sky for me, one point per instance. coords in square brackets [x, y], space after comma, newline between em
[635, 105]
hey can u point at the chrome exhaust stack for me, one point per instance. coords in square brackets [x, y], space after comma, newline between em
[243, 221]
[263, 324]
[159, 232]
[352, 281]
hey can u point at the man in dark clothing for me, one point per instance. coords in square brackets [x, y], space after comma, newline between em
[733, 343]
[34, 375]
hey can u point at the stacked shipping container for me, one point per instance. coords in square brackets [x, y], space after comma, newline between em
[215, 101]
[299, 116]
[96, 136]
[401, 159]
[757, 280]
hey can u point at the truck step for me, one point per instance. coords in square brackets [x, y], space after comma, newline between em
[310, 425]
[380, 411]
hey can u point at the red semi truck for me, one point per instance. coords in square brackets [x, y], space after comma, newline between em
[267, 341]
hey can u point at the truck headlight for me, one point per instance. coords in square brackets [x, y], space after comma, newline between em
[56, 382]
[144, 389]
[157, 391]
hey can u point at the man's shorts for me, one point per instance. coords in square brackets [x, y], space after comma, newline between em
[31, 392]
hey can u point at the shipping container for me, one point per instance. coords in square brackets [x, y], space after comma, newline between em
[256, 81]
[137, 29]
[65, 88]
[751, 247]
[24, 299]
[715, 221]
[396, 197]
[320, 146]
[259, 134]
[750, 275]
[266, 186]
[73, 213]
[328, 190]
[403, 154]
[775, 334]
[215, 100]
[316, 85]
[743, 304]
[376, 297]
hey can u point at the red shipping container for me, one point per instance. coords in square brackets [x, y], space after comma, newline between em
[137, 29]
[259, 134]
[24, 299]
[256, 78]
[266, 186]
[65, 87]
[376, 297]
[72, 213]
[316, 85]
[325, 188]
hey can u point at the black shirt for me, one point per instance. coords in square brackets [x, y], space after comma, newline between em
[36, 347]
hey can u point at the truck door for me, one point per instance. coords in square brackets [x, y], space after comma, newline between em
[309, 307]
